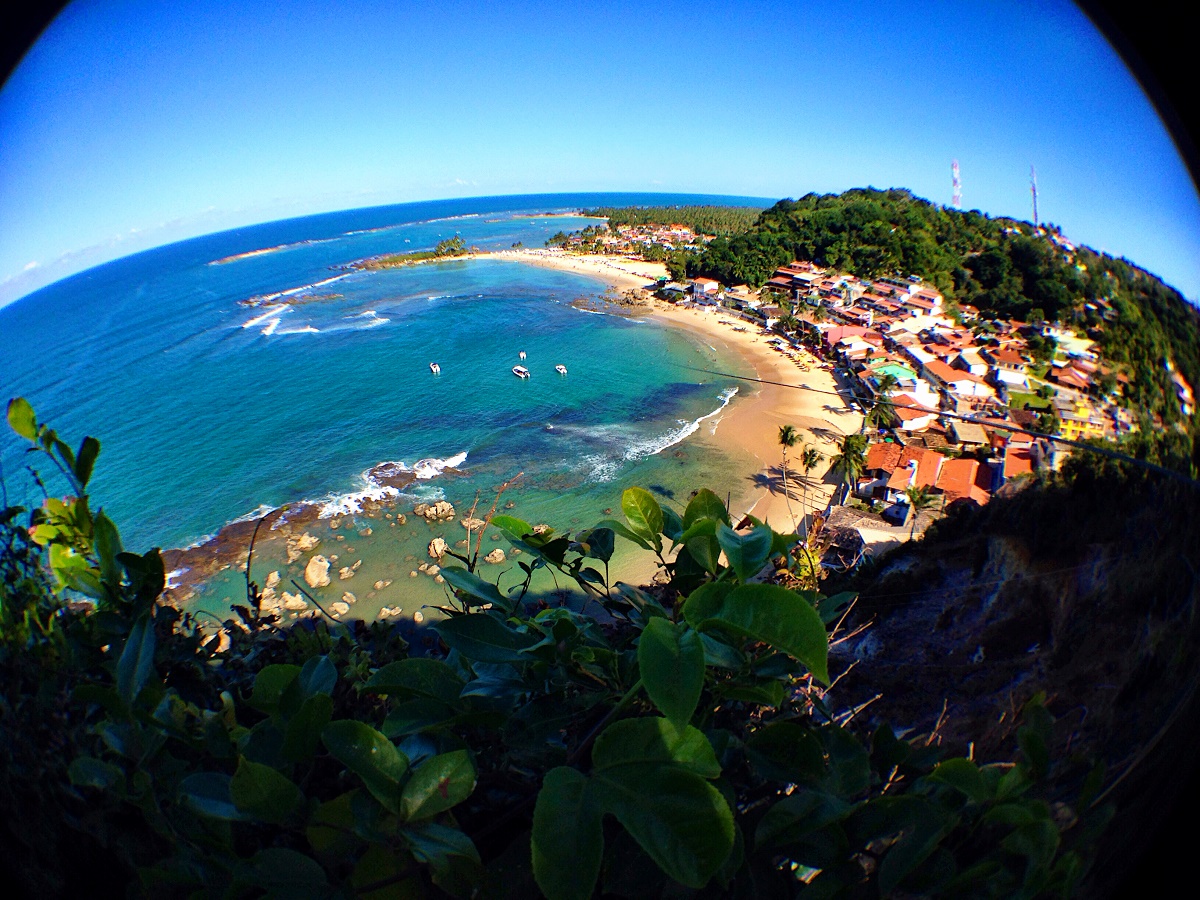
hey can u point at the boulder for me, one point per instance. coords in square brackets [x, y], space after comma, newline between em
[437, 548]
[380, 585]
[348, 597]
[433, 570]
[541, 529]
[421, 509]
[316, 573]
[495, 557]
[471, 523]
[439, 579]
[273, 580]
[401, 519]
[338, 608]
[345, 573]
[297, 545]
[418, 617]
[293, 602]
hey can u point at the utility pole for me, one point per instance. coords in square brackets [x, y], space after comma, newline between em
[1033, 191]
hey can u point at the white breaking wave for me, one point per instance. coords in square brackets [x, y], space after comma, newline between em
[291, 292]
[351, 502]
[272, 325]
[307, 329]
[276, 310]
[606, 468]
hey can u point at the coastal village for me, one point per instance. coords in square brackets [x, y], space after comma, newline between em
[954, 406]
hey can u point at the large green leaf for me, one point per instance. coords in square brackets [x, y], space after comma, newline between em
[270, 684]
[208, 793]
[671, 660]
[643, 514]
[965, 776]
[303, 731]
[263, 793]
[485, 638]
[518, 528]
[672, 523]
[601, 542]
[654, 740]
[798, 815]
[746, 553]
[705, 505]
[370, 756]
[767, 613]
[21, 418]
[618, 528]
[567, 842]
[317, 676]
[85, 459]
[474, 586]
[680, 820]
[438, 784]
[136, 664]
[288, 874]
[108, 545]
[706, 551]
[417, 677]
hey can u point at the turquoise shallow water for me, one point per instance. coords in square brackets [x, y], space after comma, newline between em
[208, 409]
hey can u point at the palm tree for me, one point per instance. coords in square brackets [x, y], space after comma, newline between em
[852, 461]
[882, 410]
[810, 458]
[918, 499]
[788, 437]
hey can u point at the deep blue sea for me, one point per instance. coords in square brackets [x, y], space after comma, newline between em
[208, 409]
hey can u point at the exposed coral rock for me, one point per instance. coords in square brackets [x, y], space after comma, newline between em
[437, 548]
[293, 602]
[348, 597]
[495, 557]
[381, 584]
[471, 523]
[433, 570]
[298, 545]
[338, 608]
[316, 573]
[418, 617]
[273, 580]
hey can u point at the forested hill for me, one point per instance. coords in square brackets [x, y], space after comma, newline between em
[724, 220]
[1004, 267]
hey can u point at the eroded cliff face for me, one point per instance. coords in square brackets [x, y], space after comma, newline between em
[1087, 592]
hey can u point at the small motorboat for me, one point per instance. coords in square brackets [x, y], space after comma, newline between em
[561, 370]
[520, 371]
[435, 368]
[521, 354]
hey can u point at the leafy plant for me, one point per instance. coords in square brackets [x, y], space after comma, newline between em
[681, 738]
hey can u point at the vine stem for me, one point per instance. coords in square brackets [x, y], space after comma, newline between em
[612, 714]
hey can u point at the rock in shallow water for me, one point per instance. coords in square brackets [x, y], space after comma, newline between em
[316, 573]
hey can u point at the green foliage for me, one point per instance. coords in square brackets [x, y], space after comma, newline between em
[701, 219]
[685, 734]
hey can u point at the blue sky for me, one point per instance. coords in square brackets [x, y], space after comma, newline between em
[134, 124]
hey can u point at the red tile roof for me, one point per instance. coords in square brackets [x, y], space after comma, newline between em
[884, 456]
[957, 478]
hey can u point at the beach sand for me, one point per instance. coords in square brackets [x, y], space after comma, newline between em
[806, 398]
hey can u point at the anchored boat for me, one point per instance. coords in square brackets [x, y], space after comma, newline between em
[520, 371]
[561, 370]
[435, 368]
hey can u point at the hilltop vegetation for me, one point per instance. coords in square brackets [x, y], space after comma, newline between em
[1005, 268]
[715, 220]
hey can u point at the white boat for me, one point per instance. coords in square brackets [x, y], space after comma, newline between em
[561, 370]
[435, 368]
[521, 354]
[520, 371]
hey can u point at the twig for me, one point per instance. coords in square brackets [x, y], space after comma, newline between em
[933, 735]
[847, 717]
[313, 599]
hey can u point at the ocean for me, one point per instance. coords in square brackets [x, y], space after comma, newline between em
[209, 409]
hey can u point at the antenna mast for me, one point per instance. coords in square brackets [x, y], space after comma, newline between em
[957, 201]
[1033, 191]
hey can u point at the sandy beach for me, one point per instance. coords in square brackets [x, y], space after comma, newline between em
[804, 395]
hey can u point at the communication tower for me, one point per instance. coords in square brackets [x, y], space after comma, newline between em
[957, 201]
[1033, 191]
